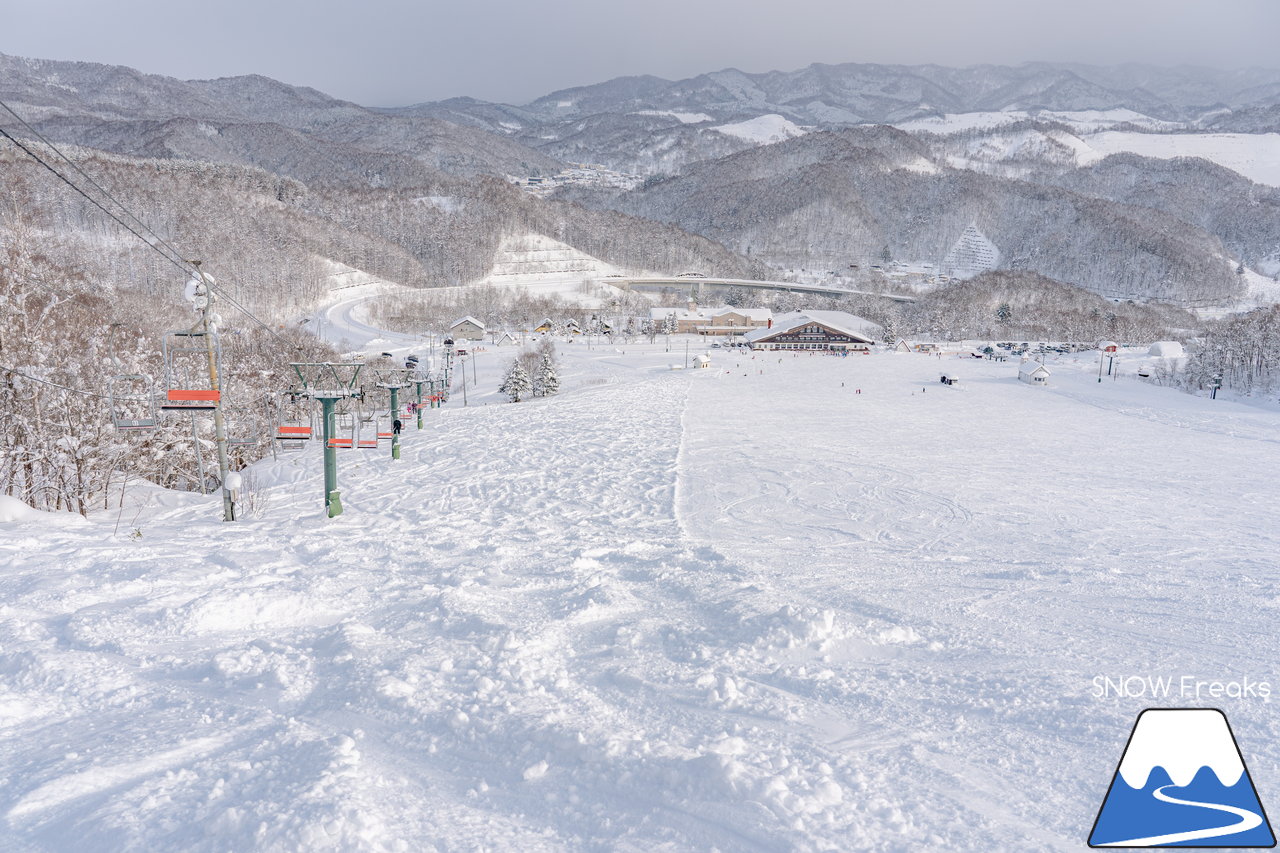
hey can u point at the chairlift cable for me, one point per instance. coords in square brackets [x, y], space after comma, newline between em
[17, 372]
[180, 263]
[90, 198]
[160, 240]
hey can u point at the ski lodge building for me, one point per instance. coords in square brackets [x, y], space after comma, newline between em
[467, 329]
[724, 320]
[836, 331]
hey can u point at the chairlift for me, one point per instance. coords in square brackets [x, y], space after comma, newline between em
[343, 430]
[186, 372]
[295, 423]
[133, 402]
[242, 425]
[367, 435]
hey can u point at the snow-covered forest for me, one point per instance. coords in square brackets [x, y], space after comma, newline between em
[1243, 353]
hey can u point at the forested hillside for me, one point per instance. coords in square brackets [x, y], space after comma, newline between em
[826, 200]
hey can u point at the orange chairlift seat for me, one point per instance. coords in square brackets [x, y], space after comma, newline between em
[343, 430]
[367, 436]
[186, 373]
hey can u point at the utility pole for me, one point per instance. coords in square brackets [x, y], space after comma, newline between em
[210, 329]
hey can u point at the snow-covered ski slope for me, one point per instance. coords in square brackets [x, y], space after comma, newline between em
[739, 609]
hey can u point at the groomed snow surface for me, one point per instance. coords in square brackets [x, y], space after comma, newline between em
[744, 608]
[763, 130]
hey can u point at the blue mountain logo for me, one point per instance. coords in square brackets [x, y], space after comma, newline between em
[1182, 782]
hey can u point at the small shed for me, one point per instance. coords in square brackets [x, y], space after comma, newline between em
[702, 360]
[902, 346]
[1167, 349]
[1033, 373]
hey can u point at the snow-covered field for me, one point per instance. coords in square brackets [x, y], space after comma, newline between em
[1083, 121]
[738, 609]
[1254, 155]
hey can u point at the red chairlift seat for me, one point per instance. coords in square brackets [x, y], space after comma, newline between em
[194, 399]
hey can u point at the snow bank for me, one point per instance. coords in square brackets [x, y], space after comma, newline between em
[14, 510]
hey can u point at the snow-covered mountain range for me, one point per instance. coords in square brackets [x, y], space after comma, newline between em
[1126, 180]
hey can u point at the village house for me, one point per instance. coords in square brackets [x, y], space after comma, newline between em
[815, 330]
[505, 339]
[467, 329]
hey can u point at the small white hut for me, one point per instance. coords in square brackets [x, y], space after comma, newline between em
[1033, 373]
[702, 360]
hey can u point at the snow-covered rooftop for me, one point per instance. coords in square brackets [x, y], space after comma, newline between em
[838, 321]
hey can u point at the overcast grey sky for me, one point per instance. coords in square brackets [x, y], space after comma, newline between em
[399, 52]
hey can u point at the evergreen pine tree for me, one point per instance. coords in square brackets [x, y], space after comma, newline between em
[516, 384]
[547, 381]
[889, 327]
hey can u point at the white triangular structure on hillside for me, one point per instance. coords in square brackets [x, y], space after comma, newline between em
[973, 254]
[535, 257]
